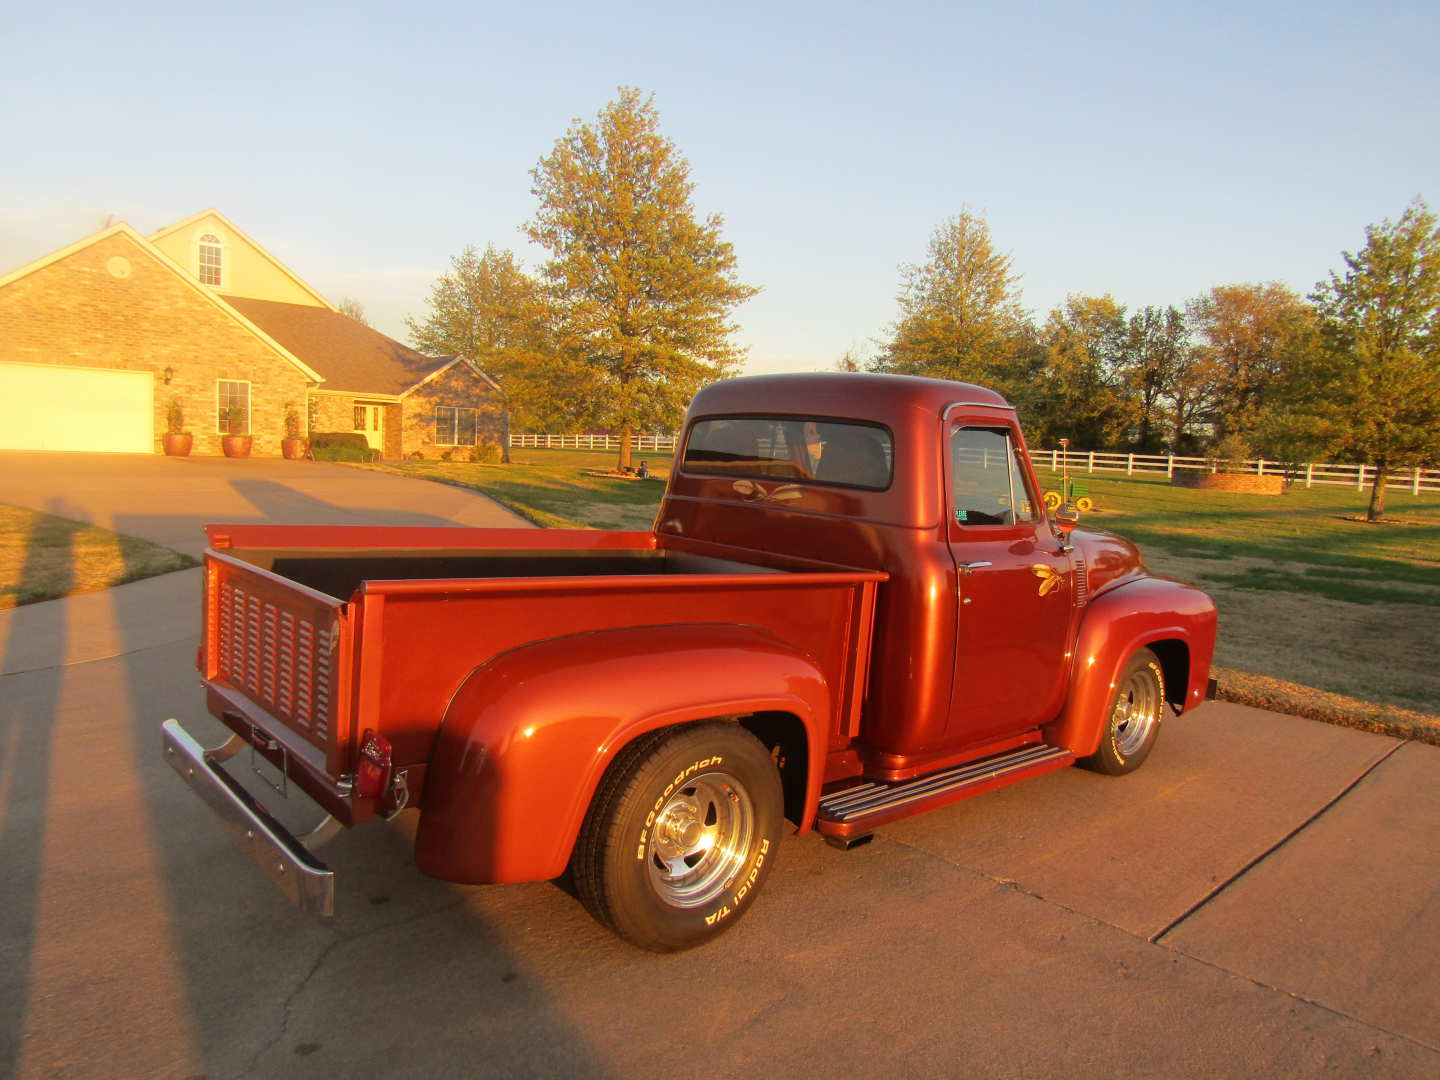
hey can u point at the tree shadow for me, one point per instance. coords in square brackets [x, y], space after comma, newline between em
[30, 684]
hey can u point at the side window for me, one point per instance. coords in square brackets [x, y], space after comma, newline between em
[987, 482]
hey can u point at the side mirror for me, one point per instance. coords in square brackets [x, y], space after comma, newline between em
[1065, 518]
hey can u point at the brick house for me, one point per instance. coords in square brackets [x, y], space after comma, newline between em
[99, 338]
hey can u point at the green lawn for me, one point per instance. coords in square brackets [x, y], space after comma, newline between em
[1308, 594]
[551, 488]
[43, 557]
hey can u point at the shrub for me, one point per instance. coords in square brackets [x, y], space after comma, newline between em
[484, 453]
[292, 421]
[1230, 454]
[340, 446]
[236, 421]
[175, 417]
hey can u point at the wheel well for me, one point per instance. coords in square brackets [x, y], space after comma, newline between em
[1174, 657]
[784, 736]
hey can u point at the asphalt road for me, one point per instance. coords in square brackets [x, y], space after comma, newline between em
[1262, 898]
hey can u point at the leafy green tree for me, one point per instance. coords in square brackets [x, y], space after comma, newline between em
[1375, 385]
[1254, 337]
[1156, 349]
[1085, 394]
[1189, 396]
[960, 312]
[489, 310]
[645, 289]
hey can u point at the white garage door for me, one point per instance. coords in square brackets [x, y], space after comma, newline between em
[60, 408]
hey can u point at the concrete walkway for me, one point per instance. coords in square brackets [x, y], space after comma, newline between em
[1262, 898]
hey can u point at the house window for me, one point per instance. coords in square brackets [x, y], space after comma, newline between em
[454, 427]
[362, 417]
[232, 407]
[210, 259]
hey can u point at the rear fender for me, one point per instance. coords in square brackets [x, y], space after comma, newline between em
[1116, 623]
[528, 735]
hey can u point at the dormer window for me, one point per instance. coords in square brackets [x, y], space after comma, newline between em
[210, 259]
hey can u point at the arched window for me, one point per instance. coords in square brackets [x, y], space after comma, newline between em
[210, 262]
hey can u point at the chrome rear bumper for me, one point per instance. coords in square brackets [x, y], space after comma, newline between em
[299, 874]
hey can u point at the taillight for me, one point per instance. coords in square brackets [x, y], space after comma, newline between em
[372, 773]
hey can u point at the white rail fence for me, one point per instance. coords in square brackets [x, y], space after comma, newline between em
[1307, 473]
[654, 444]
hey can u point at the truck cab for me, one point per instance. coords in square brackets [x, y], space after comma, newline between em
[978, 625]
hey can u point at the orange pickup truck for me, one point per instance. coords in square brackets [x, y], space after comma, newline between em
[853, 607]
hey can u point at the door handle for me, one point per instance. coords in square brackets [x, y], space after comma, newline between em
[966, 567]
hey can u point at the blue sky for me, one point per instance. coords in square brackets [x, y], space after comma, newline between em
[1147, 150]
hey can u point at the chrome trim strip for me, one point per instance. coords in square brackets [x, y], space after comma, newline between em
[974, 405]
[307, 881]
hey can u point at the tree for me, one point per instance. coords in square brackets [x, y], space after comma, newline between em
[1156, 350]
[1375, 385]
[1255, 337]
[489, 310]
[644, 289]
[960, 311]
[352, 308]
[1085, 393]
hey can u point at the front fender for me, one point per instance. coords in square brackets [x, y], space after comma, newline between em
[1132, 616]
[528, 736]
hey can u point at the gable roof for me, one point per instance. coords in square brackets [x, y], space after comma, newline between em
[350, 355]
[122, 229]
[211, 212]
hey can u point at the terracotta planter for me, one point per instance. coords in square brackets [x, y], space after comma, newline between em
[236, 445]
[178, 444]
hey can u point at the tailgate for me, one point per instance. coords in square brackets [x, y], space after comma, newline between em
[277, 649]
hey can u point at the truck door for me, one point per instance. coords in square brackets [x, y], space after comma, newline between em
[1013, 590]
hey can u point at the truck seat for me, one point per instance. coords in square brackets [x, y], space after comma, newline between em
[854, 458]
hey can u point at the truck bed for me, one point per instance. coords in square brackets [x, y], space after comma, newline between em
[314, 634]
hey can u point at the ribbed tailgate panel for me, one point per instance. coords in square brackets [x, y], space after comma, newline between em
[278, 646]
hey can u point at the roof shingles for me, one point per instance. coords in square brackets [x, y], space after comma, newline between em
[350, 355]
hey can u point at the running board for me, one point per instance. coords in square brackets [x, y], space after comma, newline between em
[870, 803]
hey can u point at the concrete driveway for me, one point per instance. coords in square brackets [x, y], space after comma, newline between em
[1263, 898]
[168, 499]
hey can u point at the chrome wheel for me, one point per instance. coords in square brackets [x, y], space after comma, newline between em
[700, 840]
[1137, 711]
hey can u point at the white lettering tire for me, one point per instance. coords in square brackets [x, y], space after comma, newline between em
[680, 836]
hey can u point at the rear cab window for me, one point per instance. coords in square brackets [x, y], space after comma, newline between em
[792, 448]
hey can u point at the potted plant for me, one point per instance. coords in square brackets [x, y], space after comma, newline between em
[237, 442]
[294, 445]
[178, 441]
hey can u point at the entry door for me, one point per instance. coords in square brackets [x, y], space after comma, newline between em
[368, 418]
[1014, 588]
